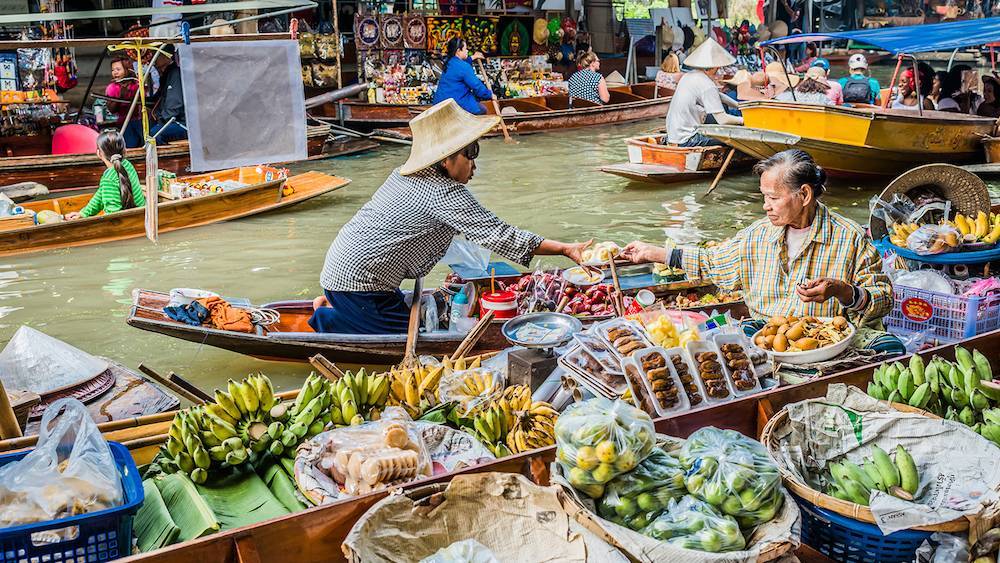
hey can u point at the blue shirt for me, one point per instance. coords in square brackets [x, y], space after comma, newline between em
[872, 84]
[460, 83]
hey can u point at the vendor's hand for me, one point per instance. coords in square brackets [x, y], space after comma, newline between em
[71, 216]
[478, 56]
[574, 250]
[821, 290]
[639, 252]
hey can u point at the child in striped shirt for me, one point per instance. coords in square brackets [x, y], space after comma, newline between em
[119, 188]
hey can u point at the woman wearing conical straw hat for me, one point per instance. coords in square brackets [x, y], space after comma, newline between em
[406, 227]
[697, 96]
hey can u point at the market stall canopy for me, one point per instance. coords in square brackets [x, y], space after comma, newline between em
[34, 361]
[913, 38]
[245, 5]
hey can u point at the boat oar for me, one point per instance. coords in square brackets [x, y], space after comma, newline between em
[410, 356]
[722, 170]
[496, 108]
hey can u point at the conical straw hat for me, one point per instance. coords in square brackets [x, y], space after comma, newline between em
[442, 131]
[34, 361]
[709, 55]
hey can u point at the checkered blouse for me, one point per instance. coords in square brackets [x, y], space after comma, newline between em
[406, 229]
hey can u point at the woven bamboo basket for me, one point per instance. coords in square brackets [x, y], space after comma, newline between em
[844, 508]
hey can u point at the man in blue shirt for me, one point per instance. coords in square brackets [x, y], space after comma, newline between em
[858, 87]
[459, 81]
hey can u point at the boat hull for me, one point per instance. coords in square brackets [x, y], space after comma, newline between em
[173, 215]
[655, 174]
[652, 161]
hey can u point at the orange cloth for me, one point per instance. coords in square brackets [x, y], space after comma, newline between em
[225, 316]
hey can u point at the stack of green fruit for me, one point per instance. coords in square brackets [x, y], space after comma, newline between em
[853, 483]
[694, 524]
[600, 439]
[636, 498]
[962, 390]
[732, 473]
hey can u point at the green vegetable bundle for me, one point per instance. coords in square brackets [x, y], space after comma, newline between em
[694, 524]
[635, 498]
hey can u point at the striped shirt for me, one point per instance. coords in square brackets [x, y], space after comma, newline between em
[406, 229]
[583, 85]
[756, 261]
[108, 197]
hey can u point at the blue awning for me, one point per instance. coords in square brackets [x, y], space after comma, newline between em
[912, 38]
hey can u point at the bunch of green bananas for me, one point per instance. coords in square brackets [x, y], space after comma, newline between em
[852, 483]
[490, 425]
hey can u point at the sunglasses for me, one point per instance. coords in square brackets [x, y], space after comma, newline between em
[471, 152]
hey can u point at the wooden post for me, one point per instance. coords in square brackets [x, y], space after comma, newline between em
[414, 326]
[9, 428]
[722, 170]
[326, 368]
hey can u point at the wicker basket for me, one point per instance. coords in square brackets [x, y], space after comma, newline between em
[842, 507]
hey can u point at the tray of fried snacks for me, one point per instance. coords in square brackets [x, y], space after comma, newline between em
[710, 371]
[640, 395]
[687, 375]
[661, 381]
[623, 337]
[739, 367]
[585, 368]
[600, 350]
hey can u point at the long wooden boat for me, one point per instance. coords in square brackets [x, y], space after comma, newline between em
[856, 141]
[552, 113]
[315, 535]
[263, 195]
[363, 115]
[651, 159]
[75, 171]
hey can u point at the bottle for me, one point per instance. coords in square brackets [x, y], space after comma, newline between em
[459, 311]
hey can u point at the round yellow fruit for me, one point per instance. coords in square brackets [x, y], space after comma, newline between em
[627, 461]
[606, 452]
[604, 473]
[586, 458]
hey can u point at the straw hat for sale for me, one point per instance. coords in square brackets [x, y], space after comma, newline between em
[741, 76]
[540, 31]
[966, 192]
[776, 73]
[757, 88]
[778, 29]
[709, 55]
[442, 131]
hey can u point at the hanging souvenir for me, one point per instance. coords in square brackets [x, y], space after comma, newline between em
[569, 29]
[540, 31]
[440, 29]
[366, 32]
[555, 30]
[392, 31]
[327, 45]
[414, 32]
[307, 45]
[480, 33]
[514, 39]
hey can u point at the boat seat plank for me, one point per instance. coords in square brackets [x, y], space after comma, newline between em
[623, 97]
[523, 106]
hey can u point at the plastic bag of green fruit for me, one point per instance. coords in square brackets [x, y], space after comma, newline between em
[636, 498]
[599, 439]
[732, 473]
[694, 524]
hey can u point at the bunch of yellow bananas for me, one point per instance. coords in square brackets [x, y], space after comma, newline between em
[534, 428]
[981, 228]
[415, 388]
[902, 231]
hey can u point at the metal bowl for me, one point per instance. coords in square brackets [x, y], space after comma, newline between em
[541, 330]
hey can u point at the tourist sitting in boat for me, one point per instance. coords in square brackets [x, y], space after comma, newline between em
[459, 81]
[940, 77]
[813, 90]
[409, 223]
[169, 104]
[670, 71]
[991, 105]
[835, 93]
[119, 188]
[964, 81]
[697, 96]
[810, 58]
[587, 83]
[123, 86]
[803, 259]
[908, 98]
[858, 87]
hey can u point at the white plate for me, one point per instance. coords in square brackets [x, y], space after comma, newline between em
[811, 356]
[581, 278]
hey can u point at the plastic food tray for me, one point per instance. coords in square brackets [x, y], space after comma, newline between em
[693, 349]
[692, 369]
[602, 331]
[600, 350]
[612, 386]
[682, 402]
[633, 377]
[744, 344]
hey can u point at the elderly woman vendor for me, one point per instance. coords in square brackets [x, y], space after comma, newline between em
[803, 259]
[409, 223]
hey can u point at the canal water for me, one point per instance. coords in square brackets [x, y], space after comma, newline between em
[546, 183]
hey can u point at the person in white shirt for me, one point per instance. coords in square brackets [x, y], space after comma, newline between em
[697, 96]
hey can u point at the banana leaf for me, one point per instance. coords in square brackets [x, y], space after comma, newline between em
[186, 506]
[241, 500]
[153, 526]
[283, 487]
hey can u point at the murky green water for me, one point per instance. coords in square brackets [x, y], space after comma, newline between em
[546, 183]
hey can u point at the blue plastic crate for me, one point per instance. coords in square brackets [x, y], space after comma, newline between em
[103, 535]
[951, 317]
[848, 540]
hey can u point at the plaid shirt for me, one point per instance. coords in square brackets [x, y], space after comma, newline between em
[756, 261]
[406, 229]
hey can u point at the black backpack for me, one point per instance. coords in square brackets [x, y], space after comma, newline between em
[857, 90]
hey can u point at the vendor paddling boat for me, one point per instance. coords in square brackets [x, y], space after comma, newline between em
[652, 160]
[263, 190]
[869, 140]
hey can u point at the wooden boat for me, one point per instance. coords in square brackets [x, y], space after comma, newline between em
[652, 160]
[20, 235]
[363, 115]
[549, 113]
[856, 141]
[315, 534]
[76, 171]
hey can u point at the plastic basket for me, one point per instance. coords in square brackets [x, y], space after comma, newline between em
[851, 541]
[952, 317]
[102, 536]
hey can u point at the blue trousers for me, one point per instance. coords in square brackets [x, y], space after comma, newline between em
[133, 133]
[360, 312]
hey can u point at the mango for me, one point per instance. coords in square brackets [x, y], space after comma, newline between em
[806, 343]
[780, 343]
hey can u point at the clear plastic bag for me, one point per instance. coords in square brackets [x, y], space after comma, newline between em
[471, 388]
[693, 524]
[373, 455]
[636, 498]
[732, 473]
[934, 239]
[70, 472]
[463, 551]
[600, 439]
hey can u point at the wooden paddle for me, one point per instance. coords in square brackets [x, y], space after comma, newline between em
[410, 357]
[722, 170]
[172, 385]
[496, 108]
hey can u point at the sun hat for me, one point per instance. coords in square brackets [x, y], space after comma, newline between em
[709, 55]
[857, 61]
[817, 73]
[442, 131]
[966, 191]
[776, 73]
[757, 88]
[778, 29]
[822, 63]
[740, 77]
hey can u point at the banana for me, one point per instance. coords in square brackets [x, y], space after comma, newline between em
[966, 416]
[874, 475]
[262, 384]
[994, 235]
[920, 396]
[962, 224]
[201, 458]
[917, 369]
[218, 453]
[982, 366]
[348, 410]
[220, 428]
[888, 470]
[856, 492]
[412, 393]
[235, 393]
[852, 470]
[875, 390]
[905, 384]
[964, 358]
[217, 411]
[431, 380]
[982, 225]
[909, 480]
[199, 475]
[225, 401]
